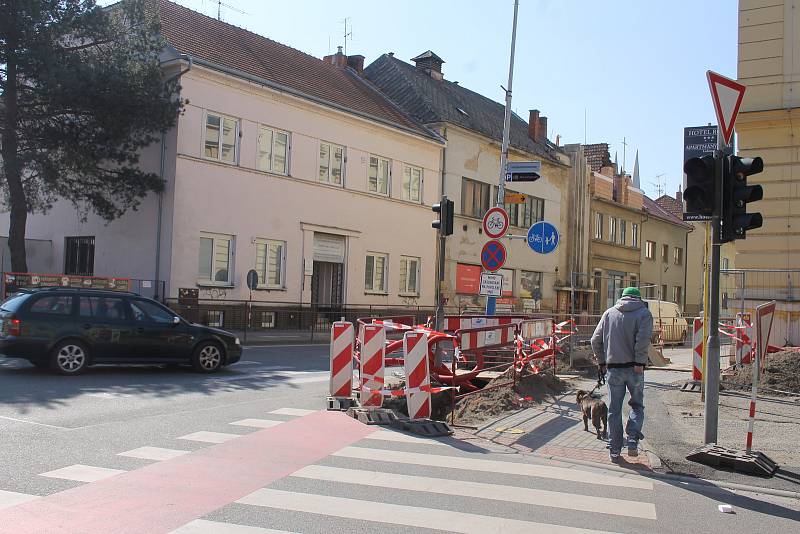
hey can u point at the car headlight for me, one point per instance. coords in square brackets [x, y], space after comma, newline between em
[237, 341]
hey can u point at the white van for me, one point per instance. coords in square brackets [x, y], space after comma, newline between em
[668, 319]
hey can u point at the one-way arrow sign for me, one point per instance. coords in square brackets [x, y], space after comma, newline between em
[727, 95]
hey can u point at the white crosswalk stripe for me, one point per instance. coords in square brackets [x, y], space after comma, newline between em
[396, 514]
[12, 498]
[495, 466]
[257, 423]
[554, 499]
[201, 526]
[297, 412]
[82, 473]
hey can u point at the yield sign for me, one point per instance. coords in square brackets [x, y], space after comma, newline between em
[727, 95]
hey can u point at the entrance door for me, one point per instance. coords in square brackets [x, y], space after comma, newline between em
[615, 287]
[327, 289]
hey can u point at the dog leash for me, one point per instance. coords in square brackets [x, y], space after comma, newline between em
[601, 379]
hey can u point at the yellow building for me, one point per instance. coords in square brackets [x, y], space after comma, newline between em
[769, 126]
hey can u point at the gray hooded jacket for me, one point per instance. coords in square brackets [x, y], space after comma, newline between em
[623, 334]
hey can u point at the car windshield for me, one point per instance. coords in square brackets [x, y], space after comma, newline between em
[12, 303]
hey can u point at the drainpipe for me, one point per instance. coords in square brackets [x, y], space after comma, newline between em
[160, 215]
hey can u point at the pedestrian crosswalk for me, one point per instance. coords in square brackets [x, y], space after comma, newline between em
[395, 482]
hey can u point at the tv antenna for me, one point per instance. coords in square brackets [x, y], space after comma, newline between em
[346, 33]
[659, 184]
[221, 4]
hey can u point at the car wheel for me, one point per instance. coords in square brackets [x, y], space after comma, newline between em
[69, 357]
[207, 357]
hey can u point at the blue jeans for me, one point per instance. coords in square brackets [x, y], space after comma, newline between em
[619, 379]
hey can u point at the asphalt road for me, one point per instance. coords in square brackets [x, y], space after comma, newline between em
[342, 476]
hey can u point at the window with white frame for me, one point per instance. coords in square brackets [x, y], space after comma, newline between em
[273, 150]
[375, 272]
[612, 229]
[215, 259]
[635, 235]
[623, 232]
[598, 226]
[270, 263]
[331, 163]
[221, 136]
[379, 175]
[677, 256]
[409, 275]
[412, 183]
[650, 250]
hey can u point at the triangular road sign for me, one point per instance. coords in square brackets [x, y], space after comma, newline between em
[727, 95]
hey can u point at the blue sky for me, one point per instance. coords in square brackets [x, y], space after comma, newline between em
[637, 68]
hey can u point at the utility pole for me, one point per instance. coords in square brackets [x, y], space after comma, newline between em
[501, 188]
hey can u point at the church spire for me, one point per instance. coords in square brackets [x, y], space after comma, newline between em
[636, 183]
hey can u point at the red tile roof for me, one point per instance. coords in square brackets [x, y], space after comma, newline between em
[222, 44]
[597, 155]
[650, 206]
[671, 205]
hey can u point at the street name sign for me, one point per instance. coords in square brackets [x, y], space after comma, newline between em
[491, 285]
[523, 171]
[493, 256]
[727, 95]
[495, 223]
[543, 237]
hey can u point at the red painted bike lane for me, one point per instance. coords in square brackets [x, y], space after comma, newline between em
[163, 496]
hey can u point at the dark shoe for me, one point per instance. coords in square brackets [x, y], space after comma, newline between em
[615, 457]
[633, 451]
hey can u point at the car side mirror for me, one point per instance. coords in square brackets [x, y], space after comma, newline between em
[176, 321]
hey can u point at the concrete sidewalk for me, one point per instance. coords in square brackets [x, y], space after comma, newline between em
[555, 428]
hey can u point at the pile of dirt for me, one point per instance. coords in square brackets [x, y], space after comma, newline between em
[583, 361]
[500, 396]
[781, 375]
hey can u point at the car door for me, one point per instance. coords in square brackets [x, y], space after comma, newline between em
[158, 335]
[106, 325]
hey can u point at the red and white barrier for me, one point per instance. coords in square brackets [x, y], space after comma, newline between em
[451, 324]
[533, 329]
[764, 316]
[697, 343]
[342, 338]
[486, 337]
[418, 378]
[373, 353]
[744, 339]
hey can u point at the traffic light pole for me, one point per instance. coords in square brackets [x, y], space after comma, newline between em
[712, 344]
[501, 189]
[439, 278]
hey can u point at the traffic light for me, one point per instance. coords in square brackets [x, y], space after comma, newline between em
[736, 194]
[699, 194]
[445, 211]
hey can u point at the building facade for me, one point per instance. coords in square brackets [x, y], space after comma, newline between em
[769, 126]
[663, 254]
[472, 127]
[282, 163]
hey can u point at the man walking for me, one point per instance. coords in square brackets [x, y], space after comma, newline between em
[620, 343]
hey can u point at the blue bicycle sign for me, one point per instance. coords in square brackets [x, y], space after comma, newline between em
[543, 237]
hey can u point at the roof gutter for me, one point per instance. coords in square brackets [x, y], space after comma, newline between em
[294, 92]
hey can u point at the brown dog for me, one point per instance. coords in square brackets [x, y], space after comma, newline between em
[594, 408]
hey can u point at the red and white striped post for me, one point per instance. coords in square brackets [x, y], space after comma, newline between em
[697, 343]
[341, 381]
[418, 378]
[373, 353]
[764, 315]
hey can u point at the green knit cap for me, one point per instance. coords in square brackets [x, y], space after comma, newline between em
[631, 291]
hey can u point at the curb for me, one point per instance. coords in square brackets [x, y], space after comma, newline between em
[705, 483]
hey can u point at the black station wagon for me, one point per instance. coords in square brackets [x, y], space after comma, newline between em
[69, 329]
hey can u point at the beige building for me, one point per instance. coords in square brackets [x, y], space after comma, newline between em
[696, 262]
[616, 230]
[283, 163]
[769, 126]
[472, 126]
[663, 254]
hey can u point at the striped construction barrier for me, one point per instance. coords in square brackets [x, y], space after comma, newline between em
[697, 343]
[486, 337]
[341, 380]
[533, 329]
[418, 378]
[744, 339]
[373, 352]
[462, 322]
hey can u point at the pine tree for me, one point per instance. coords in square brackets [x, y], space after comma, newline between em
[82, 92]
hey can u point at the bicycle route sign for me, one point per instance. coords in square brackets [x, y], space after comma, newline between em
[543, 237]
[493, 256]
[495, 223]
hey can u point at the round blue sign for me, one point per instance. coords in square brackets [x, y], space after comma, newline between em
[543, 237]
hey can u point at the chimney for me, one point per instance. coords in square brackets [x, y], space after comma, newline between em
[338, 59]
[542, 129]
[356, 63]
[533, 124]
[430, 64]
[679, 197]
